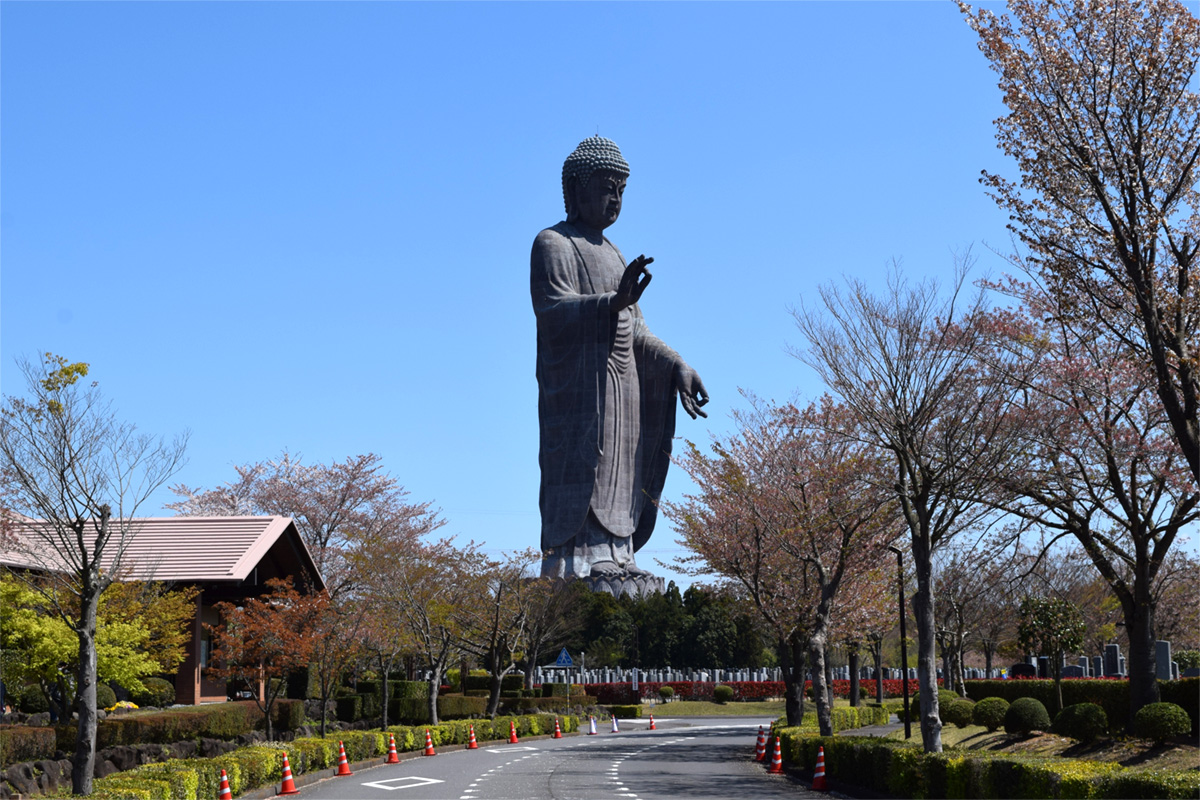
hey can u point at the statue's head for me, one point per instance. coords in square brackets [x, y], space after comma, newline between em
[590, 176]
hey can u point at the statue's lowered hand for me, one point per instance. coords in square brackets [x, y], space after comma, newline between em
[692, 393]
[633, 283]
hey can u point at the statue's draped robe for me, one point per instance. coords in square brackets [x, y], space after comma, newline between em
[606, 394]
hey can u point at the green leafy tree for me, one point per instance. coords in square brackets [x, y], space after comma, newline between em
[1051, 627]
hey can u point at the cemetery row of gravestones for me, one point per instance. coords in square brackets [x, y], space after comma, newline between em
[1109, 665]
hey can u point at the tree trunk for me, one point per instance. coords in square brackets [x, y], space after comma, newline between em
[495, 681]
[435, 683]
[931, 723]
[1143, 681]
[384, 669]
[793, 677]
[821, 688]
[878, 655]
[532, 655]
[960, 670]
[84, 762]
[854, 675]
[988, 652]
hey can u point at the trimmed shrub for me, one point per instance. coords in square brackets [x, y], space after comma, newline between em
[458, 707]
[21, 743]
[287, 715]
[29, 698]
[1160, 722]
[945, 698]
[666, 692]
[409, 710]
[1026, 715]
[556, 690]
[989, 712]
[1111, 694]
[410, 690]
[1184, 693]
[958, 712]
[105, 696]
[371, 706]
[722, 694]
[158, 692]
[1083, 722]
[349, 709]
[626, 712]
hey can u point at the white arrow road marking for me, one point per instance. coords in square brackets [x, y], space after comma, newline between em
[407, 782]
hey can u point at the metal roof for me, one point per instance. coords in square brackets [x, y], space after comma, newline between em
[178, 548]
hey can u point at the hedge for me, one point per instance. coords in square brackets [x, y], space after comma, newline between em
[20, 743]
[626, 711]
[848, 718]
[902, 769]
[251, 768]
[1111, 694]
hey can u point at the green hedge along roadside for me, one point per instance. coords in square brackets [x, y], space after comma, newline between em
[253, 767]
[901, 769]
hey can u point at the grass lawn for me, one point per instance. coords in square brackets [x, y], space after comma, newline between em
[1129, 752]
[704, 708]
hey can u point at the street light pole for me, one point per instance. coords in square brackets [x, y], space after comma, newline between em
[903, 640]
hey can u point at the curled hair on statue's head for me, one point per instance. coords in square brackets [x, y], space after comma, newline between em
[592, 155]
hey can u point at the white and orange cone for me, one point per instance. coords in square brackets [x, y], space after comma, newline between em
[776, 760]
[289, 785]
[512, 733]
[343, 764]
[223, 792]
[471, 743]
[653, 727]
[429, 751]
[393, 757]
[591, 726]
[616, 728]
[760, 747]
[557, 730]
[819, 772]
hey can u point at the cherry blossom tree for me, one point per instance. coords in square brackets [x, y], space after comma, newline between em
[1101, 463]
[332, 505]
[787, 508]
[1104, 125]
[907, 365]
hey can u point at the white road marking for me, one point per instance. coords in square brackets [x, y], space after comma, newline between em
[408, 782]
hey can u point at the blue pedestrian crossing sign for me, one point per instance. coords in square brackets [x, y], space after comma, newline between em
[564, 659]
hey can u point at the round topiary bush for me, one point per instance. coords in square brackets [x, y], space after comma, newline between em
[1025, 716]
[958, 712]
[159, 692]
[945, 698]
[1082, 722]
[722, 694]
[666, 692]
[29, 699]
[989, 712]
[105, 696]
[1161, 721]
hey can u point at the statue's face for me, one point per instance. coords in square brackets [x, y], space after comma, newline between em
[599, 203]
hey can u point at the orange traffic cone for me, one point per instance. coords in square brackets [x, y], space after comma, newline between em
[819, 772]
[591, 726]
[776, 760]
[653, 727]
[760, 747]
[616, 728]
[557, 730]
[471, 743]
[343, 764]
[512, 733]
[224, 793]
[393, 757]
[289, 785]
[429, 751]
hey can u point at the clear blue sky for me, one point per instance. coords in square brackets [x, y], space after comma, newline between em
[307, 225]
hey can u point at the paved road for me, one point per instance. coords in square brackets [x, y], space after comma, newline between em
[693, 758]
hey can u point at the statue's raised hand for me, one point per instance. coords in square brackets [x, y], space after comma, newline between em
[692, 393]
[633, 283]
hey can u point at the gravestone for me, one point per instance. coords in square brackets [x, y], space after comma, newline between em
[1121, 667]
[1023, 671]
[1162, 660]
[1043, 667]
[1073, 671]
[1097, 667]
[1085, 665]
[1174, 670]
[1112, 660]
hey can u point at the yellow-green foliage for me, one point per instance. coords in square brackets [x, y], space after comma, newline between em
[126, 784]
[902, 769]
